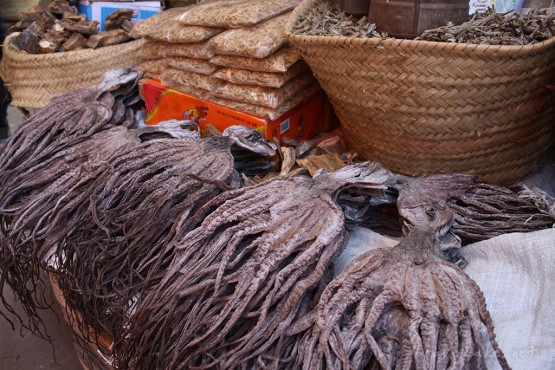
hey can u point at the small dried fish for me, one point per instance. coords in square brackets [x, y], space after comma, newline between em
[327, 20]
[511, 28]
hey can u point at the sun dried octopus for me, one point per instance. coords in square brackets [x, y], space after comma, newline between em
[240, 277]
[251, 153]
[47, 152]
[484, 210]
[401, 308]
[107, 243]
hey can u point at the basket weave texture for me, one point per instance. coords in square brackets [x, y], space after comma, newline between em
[423, 108]
[35, 79]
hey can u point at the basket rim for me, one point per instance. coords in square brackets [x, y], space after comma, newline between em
[405, 44]
[12, 50]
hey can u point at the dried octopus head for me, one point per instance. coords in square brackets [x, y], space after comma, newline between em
[244, 273]
[405, 307]
[251, 152]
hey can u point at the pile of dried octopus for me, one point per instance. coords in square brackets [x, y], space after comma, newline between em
[157, 241]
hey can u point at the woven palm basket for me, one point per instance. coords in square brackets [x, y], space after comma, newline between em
[35, 79]
[423, 108]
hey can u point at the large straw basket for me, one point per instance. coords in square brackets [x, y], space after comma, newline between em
[423, 108]
[35, 79]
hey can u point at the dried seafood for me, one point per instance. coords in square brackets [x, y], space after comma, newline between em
[270, 113]
[265, 79]
[44, 162]
[258, 41]
[484, 211]
[235, 13]
[268, 97]
[327, 20]
[55, 26]
[108, 241]
[153, 68]
[154, 23]
[402, 308]
[172, 77]
[240, 277]
[279, 61]
[415, 194]
[191, 65]
[493, 28]
[489, 27]
[165, 26]
[162, 49]
[252, 154]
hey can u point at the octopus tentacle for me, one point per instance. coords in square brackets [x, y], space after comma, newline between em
[388, 295]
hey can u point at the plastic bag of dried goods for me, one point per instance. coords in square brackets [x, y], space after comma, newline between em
[161, 49]
[280, 61]
[235, 13]
[267, 79]
[165, 26]
[153, 23]
[191, 90]
[150, 50]
[175, 32]
[258, 41]
[270, 113]
[515, 273]
[269, 97]
[192, 65]
[153, 68]
[172, 76]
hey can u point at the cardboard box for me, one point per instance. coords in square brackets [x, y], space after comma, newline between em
[99, 10]
[163, 103]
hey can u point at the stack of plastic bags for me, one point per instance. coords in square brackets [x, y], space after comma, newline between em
[232, 52]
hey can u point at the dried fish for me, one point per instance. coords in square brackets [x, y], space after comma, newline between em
[489, 27]
[173, 31]
[511, 28]
[252, 154]
[112, 37]
[325, 19]
[74, 42]
[152, 24]
[191, 65]
[55, 26]
[120, 18]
